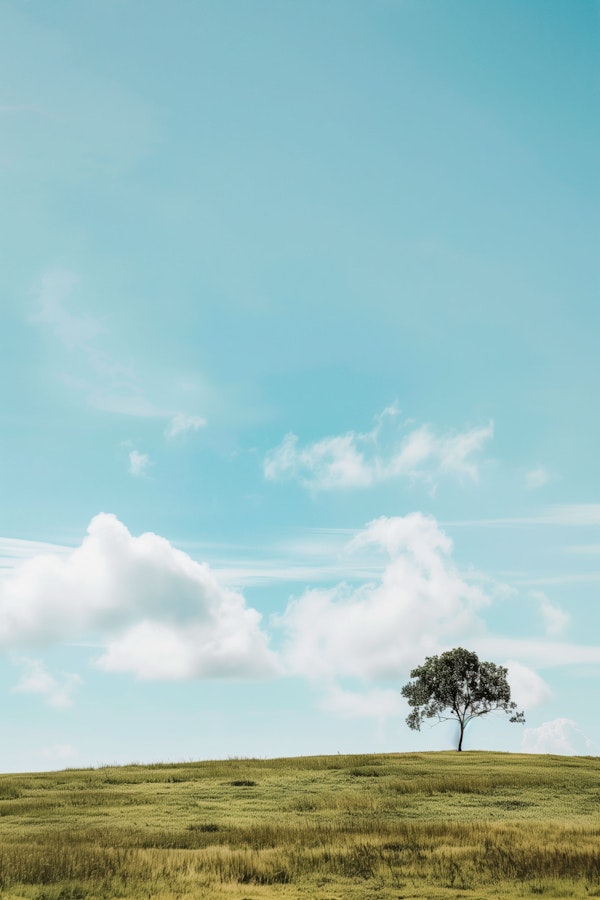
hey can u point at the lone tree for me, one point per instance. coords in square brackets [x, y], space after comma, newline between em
[456, 685]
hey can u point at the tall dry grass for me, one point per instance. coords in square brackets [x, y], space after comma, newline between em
[487, 825]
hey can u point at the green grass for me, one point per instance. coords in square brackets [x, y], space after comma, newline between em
[426, 825]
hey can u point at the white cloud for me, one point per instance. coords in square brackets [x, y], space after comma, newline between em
[164, 650]
[569, 578]
[14, 550]
[312, 555]
[158, 612]
[123, 399]
[59, 752]
[417, 604]
[537, 478]
[139, 463]
[456, 452]
[330, 463]
[566, 514]
[560, 736]
[584, 549]
[108, 384]
[38, 680]
[73, 330]
[420, 605]
[539, 653]
[355, 459]
[555, 619]
[181, 424]
[377, 703]
[527, 689]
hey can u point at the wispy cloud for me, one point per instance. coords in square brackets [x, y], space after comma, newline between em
[57, 693]
[537, 478]
[548, 580]
[389, 451]
[60, 753]
[108, 383]
[555, 619]
[139, 463]
[181, 424]
[544, 653]
[14, 551]
[567, 515]
[21, 107]
[584, 549]
[75, 330]
[237, 565]
[575, 514]
[374, 703]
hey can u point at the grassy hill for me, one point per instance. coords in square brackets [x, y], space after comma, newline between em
[424, 825]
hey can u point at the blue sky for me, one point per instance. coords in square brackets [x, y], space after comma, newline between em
[299, 372]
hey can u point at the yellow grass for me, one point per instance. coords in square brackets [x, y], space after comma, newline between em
[430, 825]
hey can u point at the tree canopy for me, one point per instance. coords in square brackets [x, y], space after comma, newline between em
[457, 685]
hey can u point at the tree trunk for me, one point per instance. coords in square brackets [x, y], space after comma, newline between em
[460, 740]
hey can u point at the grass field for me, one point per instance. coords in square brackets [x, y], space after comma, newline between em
[426, 825]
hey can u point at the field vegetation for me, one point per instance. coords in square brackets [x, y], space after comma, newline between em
[430, 825]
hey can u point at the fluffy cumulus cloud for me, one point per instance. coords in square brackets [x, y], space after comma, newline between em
[388, 451]
[158, 613]
[57, 692]
[420, 604]
[561, 736]
[527, 688]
